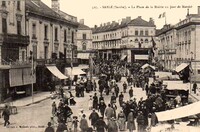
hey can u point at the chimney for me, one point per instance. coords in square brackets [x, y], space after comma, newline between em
[123, 20]
[100, 25]
[128, 19]
[108, 23]
[81, 21]
[139, 16]
[151, 20]
[198, 10]
[188, 12]
[95, 26]
[55, 5]
[104, 24]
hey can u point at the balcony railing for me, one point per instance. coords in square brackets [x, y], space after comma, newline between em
[55, 61]
[14, 64]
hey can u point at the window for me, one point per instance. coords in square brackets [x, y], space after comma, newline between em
[136, 32]
[4, 25]
[23, 56]
[65, 35]
[146, 33]
[56, 34]
[65, 52]
[34, 31]
[141, 33]
[146, 40]
[19, 27]
[18, 5]
[45, 52]
[34, 51]
[84, 36]
[3, 3]
[136, 40]
[45, 32]
[72, 36]
[84, 46]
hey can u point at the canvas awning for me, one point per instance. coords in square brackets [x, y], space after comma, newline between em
[83, 56]
[163, 75]
[54, 70]
[184, 111]
[147, 65]
[73, 71]
[141, 57]
[21, 76]
[176, 85]
[83, 66]
[181, 67]
[123, 57]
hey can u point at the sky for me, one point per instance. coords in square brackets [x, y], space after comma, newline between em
[94, 12]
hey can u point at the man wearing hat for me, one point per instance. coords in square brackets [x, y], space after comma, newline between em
[100, 125]
[6, 115]
[121, 99]
[84, 124]
[141, 122]
[109, 112]
[102, 107]
[94, 116]
[95, 101]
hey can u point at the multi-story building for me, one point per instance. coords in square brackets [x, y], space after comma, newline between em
[182, 41]
[15, 70]
[167, 47]
[130, 38]
[84, 42]
[52, 37]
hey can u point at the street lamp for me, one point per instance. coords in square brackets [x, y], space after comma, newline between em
[190, 66]
[71, 64]
[32, 76]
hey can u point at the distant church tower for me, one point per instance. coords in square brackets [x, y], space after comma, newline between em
[55, 5]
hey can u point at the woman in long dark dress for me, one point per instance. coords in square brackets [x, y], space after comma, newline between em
[71, 99]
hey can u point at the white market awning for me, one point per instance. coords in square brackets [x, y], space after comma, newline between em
[176, 85]
[141, 57]
[83, 56]
[54, 70]
[163, 75]
[73, 71]
[83, 66]
[184, 111]
[123, 57]
[147, 65]
[181, 67]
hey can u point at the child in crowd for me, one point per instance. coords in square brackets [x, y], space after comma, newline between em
[75, 123]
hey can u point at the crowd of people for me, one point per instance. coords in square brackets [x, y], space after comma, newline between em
[118, 114]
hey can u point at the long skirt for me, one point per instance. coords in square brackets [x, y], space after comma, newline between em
[122, 124]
